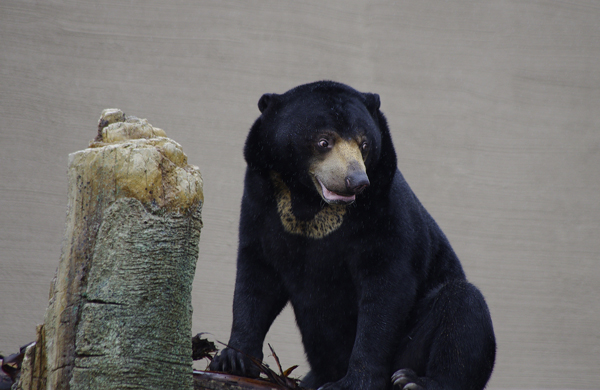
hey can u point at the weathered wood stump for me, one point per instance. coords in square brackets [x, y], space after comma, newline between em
[120, 304]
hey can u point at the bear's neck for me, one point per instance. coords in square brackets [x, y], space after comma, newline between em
[321, 221]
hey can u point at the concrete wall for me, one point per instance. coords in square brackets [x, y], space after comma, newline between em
[493, 106]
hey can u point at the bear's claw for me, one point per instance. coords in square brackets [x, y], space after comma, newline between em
[406, 379]
[234, 362]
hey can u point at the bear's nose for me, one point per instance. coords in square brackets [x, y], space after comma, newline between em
[357, 182]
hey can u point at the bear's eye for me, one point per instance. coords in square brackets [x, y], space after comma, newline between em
[364, 146]
[323, 143]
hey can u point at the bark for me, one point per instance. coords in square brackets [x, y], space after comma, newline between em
[120, 305]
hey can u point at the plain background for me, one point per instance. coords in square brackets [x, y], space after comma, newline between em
[494, 109]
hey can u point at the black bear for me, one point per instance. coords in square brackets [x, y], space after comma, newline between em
[329, 224]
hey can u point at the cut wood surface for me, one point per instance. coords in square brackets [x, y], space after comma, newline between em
[120, 305]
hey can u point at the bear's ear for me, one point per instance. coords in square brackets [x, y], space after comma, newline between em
[372, 102]
[265, 100]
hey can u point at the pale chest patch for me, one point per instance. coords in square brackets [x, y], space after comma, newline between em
[325, 222]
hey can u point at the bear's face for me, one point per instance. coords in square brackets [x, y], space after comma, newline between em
[337, 167]
[322, 136]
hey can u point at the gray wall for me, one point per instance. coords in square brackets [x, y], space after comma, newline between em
[493, 108]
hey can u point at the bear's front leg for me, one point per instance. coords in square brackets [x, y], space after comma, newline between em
[384, 303]
[259, 297]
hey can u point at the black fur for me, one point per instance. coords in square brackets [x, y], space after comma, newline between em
[384, 292]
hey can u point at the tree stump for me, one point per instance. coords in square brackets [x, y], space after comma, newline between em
[120, 304]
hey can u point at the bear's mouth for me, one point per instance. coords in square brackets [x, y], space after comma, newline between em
[335, 197]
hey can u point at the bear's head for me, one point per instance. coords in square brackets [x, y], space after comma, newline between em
[323, 138]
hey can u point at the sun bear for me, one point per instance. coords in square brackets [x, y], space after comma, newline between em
[329, 224]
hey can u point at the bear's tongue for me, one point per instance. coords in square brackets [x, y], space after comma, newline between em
[334, 196]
